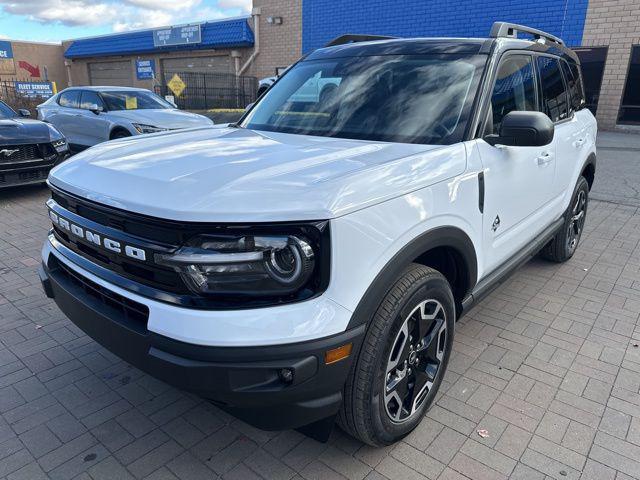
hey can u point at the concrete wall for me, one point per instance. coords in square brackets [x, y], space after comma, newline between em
[280, 44]
[38, 55]
[613, 23]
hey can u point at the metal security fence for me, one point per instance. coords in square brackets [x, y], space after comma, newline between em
[204, 91]
[11, 97]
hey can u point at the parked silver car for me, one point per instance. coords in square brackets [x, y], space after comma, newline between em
[90, 115]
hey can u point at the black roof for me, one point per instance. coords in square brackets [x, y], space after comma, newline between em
[402, 46]
[426, 46]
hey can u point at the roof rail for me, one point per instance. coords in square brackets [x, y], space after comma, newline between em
[511, 30]
[351, 38]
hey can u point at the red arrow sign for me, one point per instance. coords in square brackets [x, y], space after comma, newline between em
[33, 71]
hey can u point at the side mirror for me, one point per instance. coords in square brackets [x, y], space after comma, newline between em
[523, 129]
[23, 112]
[95, 108]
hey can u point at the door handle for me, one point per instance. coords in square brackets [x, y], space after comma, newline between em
[544, 158]
[578, 143]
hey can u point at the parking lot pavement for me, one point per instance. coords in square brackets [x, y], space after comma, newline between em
[618, 178]
[548, 366]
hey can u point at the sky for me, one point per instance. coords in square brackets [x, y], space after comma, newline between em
[56, 20]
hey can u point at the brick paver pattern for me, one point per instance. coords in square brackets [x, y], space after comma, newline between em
[548, 365]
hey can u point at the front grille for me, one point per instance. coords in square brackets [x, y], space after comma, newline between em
[22, 153]
[132, 313]
[148, 274]
[156, 235]
[18, 177]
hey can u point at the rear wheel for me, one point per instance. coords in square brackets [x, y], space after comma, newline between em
[565, 243]
[402, 360]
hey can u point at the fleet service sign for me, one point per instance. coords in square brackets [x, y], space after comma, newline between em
[35, 89]
[7, 65]
[145, 69]
[183, 35]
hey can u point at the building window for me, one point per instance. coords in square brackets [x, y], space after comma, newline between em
[630, 108]
[592, 61]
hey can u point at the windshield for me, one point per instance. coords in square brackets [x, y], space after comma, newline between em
[394, 98]
[6, 111]
[132, 100]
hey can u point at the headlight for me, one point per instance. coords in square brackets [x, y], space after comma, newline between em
[259, 265]
[60, 145]
[141, 128]
[256, 265]
[57, 139]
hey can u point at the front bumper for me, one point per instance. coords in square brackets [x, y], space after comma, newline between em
[29, 172]
[245, 381]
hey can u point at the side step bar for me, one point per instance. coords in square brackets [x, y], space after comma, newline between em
[504, 271]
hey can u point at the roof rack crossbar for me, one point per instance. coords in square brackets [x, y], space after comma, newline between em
[511, 30]
[352, 38]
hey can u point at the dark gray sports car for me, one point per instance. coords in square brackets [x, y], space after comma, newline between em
[28, 148]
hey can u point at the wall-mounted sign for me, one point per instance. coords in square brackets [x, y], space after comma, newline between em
[184, 35]
[7, 66]
[35, 89]
[6, 51]
[145, 69]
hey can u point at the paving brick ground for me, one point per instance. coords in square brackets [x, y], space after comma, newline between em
[548, 365]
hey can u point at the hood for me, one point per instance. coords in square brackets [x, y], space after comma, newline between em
[239, 175]
[16, 131]
[162, 118]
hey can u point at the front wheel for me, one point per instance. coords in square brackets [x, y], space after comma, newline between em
[120, 134]
[402, 360]
[565, 243]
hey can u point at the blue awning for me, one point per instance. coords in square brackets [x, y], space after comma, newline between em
[223, 34]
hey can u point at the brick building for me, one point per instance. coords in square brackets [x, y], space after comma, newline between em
[605, 33]
[32, 61]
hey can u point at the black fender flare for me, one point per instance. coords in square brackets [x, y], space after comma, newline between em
[591, 160]
[452, 237]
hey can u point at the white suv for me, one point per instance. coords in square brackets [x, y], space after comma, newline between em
[309, 262]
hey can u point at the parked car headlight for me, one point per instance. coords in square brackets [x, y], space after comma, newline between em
[258, 265]
[142, 128]
[57, 139]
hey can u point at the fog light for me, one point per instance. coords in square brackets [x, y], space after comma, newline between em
[286, 375]
[337, 354]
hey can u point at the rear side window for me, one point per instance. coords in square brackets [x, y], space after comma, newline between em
[514, 88]
[70, 99]
[574, 85]
[554, 94]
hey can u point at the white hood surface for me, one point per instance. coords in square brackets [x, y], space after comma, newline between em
[239, 175]
[162, 118]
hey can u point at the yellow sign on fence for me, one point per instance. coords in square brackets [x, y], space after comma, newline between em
[176, 85]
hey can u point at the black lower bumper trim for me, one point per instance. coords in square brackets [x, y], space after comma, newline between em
[245, 381]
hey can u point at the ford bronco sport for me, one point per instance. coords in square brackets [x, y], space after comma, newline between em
[309, 263]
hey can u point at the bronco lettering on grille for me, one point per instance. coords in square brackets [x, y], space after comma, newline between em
[97, 239]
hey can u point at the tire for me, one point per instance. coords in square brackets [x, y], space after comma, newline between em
[565, 243]
[120, 134]
[375, 408]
